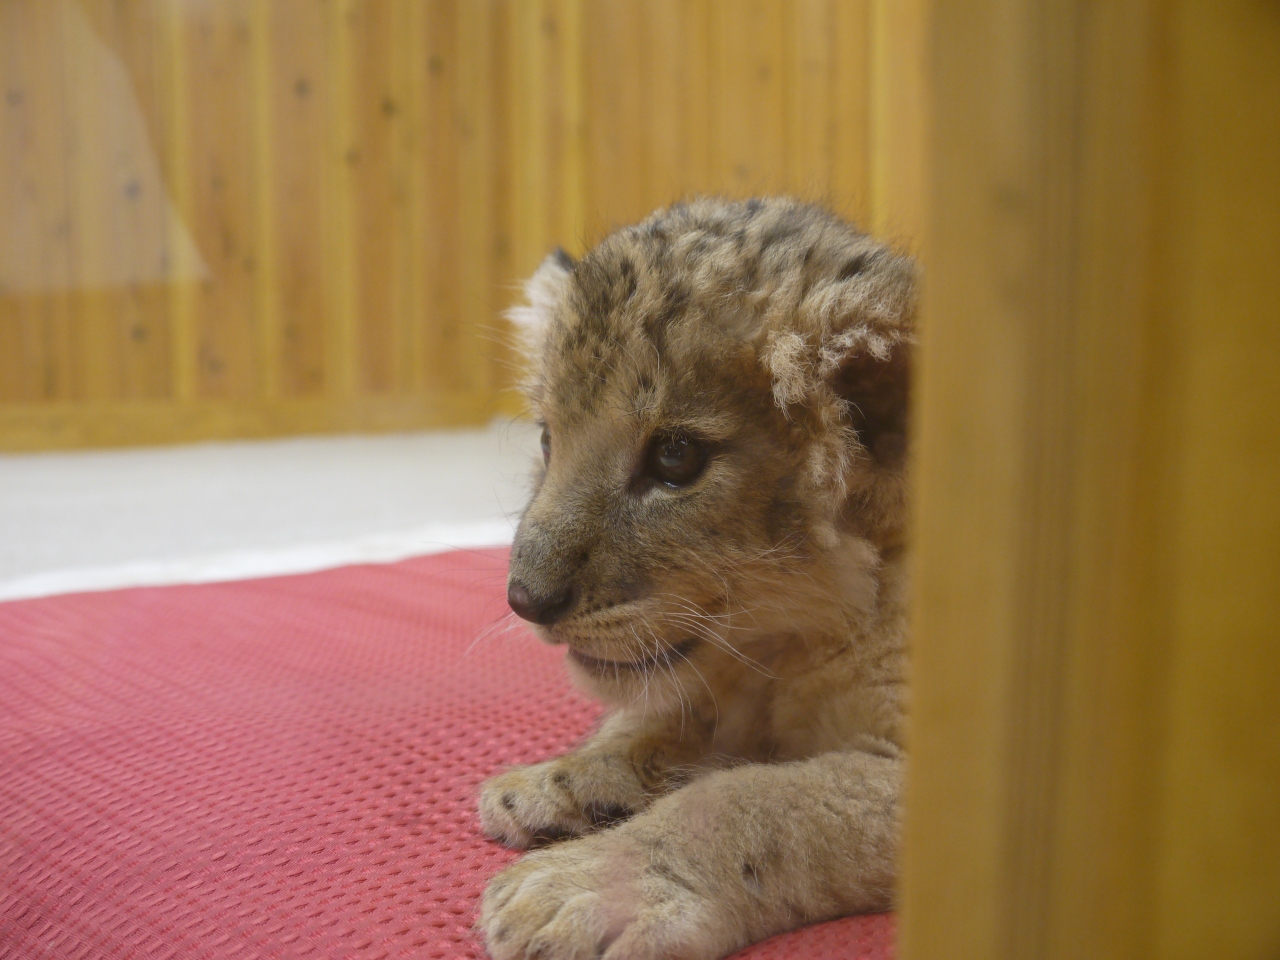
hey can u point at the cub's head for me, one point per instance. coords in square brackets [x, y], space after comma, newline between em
[723, 395]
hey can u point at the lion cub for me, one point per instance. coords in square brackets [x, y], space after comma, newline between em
[717, 536]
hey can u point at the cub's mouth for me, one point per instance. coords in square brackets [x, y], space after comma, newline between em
[663, 658]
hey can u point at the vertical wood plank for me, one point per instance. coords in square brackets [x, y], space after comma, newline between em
[297, 94]
[565, 54]
[899, 114]
[98, 124]
[136, 32]
[810, 117]
[35, 309]
[479, 147]
[547, 109]
[976, 459]
[406, 54]
[1217, 877]
[524, 86]
[1095, 670]
[1113, 669]
[616, 191]
[850, 111]
[185, 262]
[442, 181]
[342, 335]
[749, 44]
[417, 35]
[266, 303]
[676, 107]
[121, 203]
[377, 110]
[221, 167]
[503, 74]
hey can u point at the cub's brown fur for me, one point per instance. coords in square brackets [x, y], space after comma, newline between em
[746, 622]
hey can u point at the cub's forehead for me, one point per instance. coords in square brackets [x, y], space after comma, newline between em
[671, 312]
[632, 367]
[708, 254]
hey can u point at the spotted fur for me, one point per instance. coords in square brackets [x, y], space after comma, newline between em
[748, 630]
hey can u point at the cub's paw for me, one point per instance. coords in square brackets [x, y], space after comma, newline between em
[565, 797]
[602, 896]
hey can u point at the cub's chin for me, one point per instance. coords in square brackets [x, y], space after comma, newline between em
[654, 677]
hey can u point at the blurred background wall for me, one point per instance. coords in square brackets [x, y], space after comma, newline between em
[253, 217]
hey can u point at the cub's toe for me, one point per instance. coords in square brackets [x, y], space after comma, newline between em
[566, 797]
[594, 897]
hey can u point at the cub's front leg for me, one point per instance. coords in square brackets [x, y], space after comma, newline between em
[732, 858]
[614, 775]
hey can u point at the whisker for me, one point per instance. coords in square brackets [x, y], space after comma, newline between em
[693, 623]
[503, 625]
[711, 693]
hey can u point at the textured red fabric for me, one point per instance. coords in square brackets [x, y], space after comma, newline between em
[277, 768]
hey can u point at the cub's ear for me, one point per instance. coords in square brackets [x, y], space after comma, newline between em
[850, 343]
[865, 357]
[877, 400]
[544, 291]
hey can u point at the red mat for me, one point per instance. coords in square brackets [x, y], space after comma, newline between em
[277, 768]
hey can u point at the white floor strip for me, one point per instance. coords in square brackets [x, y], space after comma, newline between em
[103, 519]
[265, 562]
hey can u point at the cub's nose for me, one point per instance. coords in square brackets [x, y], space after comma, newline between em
[545, 610]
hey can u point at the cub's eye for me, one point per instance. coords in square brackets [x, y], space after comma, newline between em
[546, 444]
[676, 461]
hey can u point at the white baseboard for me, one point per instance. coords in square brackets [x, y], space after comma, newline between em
[250, 564]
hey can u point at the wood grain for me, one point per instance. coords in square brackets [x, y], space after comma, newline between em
[35, 300]
[1094, 747]
[299, 307]
[257, 201]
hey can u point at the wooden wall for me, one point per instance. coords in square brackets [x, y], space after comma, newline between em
[246, 217]
[1095, 766]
